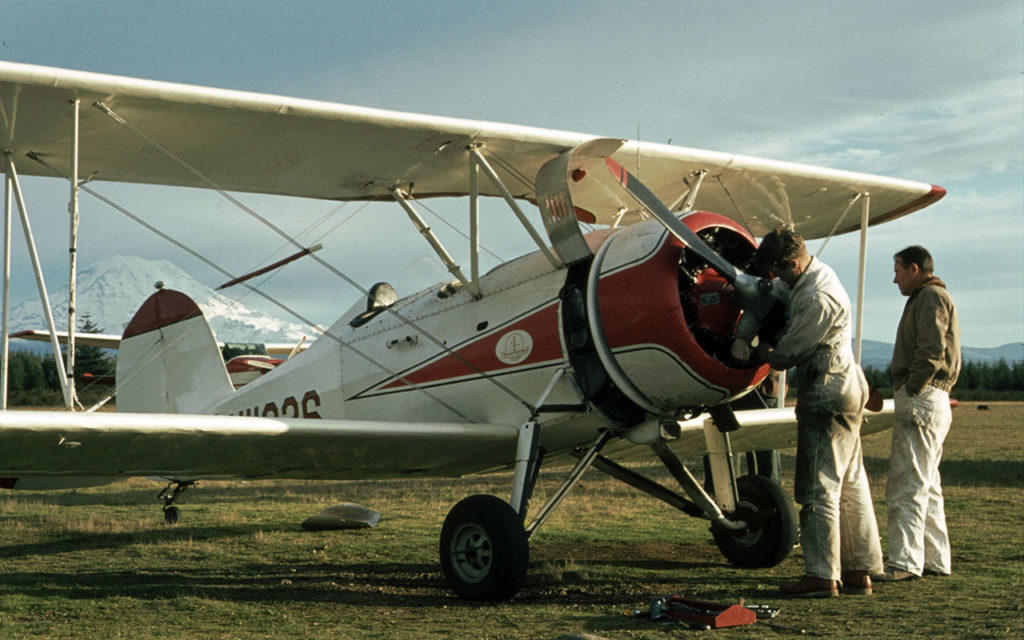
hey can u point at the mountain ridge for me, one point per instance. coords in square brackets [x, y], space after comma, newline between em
[110, 290]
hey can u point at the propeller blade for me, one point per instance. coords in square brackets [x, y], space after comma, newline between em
[752, 292]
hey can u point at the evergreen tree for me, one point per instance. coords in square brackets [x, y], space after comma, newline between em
[92, 359]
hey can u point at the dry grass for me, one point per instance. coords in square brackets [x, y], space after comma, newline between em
[99, 562]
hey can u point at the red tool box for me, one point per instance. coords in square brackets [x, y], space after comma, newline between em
[714, 614]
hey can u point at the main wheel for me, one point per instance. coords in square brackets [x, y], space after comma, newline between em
[484, 549]
[773, 530]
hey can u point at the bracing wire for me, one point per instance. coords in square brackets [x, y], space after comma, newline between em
[254, 289]
[212, 185]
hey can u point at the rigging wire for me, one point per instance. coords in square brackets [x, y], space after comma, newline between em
[252, 288]
[212, 185]
[457, 230]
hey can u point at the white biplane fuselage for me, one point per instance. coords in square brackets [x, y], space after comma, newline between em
[515, 335]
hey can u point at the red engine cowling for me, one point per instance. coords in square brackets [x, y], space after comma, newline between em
[662, 319]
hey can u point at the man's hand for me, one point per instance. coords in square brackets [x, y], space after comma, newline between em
[740, 350]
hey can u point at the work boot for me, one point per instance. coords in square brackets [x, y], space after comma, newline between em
[808, 587]
[895, 574]
[933, 573]
[857, 583]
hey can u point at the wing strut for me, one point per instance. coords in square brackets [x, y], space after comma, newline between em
[403, 199]
[474, 150]
[72, 253]
[864, 217]
[14, 185]
[5, 339]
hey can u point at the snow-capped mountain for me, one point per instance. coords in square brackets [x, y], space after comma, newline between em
[110, 290]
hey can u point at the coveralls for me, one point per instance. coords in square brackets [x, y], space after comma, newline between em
[925, 366]
[838, 531]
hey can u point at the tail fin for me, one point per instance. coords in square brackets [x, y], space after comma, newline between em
[168, 360]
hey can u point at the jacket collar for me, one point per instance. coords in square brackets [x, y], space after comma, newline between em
[932, 281]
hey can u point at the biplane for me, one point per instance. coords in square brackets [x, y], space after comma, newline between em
[610, 343]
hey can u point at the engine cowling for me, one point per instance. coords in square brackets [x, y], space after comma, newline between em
[662, 319]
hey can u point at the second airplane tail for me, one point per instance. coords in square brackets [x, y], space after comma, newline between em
[168, 360]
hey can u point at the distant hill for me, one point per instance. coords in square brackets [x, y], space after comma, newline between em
[879, 354]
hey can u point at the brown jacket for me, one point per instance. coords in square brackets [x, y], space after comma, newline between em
[927, 350]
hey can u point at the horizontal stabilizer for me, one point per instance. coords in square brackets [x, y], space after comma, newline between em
[113, 341]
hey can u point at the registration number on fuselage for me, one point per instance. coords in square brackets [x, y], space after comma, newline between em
[290, 407]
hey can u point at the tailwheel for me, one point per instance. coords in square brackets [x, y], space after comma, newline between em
[773, 524]
[169, 494]
[484, 549]
[172, 514]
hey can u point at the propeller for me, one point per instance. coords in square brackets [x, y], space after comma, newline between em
[753, 293]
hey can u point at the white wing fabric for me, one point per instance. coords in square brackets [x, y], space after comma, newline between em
[269, 144]
[54, 443]
[51, 444]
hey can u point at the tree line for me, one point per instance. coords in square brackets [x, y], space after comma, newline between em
[32, 378]
[999, 380]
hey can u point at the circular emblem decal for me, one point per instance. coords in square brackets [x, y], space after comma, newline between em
[514, 347]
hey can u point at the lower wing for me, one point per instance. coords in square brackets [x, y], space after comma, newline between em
[40, 444]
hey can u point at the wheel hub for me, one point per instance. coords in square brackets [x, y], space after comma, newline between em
[472, 552]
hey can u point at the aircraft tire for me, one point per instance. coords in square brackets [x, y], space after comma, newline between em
[171, 514]
[484, 549]
[768, 543]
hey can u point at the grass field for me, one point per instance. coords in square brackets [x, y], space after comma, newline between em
[101, 563]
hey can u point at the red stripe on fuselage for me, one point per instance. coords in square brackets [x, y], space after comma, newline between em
[542, 326]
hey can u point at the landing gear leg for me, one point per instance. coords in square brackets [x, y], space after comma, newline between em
[758, 501]
[484, 545]
[171, 512]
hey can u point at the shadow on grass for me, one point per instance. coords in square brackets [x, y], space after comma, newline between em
[202, 493]
[606, 579]
[395, 584]
[982, 473]
[966, 473]
[68, 542]
[378, 585]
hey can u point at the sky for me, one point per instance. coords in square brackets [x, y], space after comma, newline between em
[928, 91]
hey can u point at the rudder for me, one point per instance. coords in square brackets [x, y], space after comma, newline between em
[168, 360]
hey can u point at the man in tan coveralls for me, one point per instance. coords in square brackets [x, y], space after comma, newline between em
[838, 531]
[925, 366]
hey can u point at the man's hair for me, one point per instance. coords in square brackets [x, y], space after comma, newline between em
[916, 254]
[780, 245]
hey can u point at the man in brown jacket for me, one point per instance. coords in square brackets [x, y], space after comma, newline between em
[925, 366]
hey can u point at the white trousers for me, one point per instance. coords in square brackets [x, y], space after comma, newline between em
[838, 530]
[918, 538]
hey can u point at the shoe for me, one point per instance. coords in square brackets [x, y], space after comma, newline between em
[856, 583]
[895, 574]
[931, 573]
[808, 587]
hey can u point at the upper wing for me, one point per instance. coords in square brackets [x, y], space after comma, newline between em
[270, 144]
[53, 443]
[760, 429]
[112, 341]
